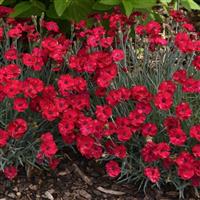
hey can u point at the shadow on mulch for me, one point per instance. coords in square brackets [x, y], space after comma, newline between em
[74, 180]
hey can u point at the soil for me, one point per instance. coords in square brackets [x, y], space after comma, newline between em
[77, 179]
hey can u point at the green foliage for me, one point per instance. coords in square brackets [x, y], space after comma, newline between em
[60, 6]
[76, 10]
[190, 4]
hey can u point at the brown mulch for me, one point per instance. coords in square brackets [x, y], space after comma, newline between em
[77, 179]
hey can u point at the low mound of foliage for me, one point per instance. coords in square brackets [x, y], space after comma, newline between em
[127, 96]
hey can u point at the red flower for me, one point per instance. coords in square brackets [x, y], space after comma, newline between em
[3, 138]
[184, 43]
[137, 118]
[48, 146]
[32, 86]
[183, 111]
[171, 122]
[106, 42]
[195, 181]
[196, 150]
[124, 134]
[53, 163]
[184, 158]
[117, 55]
[10, 172]
[148, 152]
[103, 112]
[120, 151]
[186, 171]
[15, 32]
[197, 167]
[140, 93]
[67, 83]
[51, 26]
[167, 86]
[112, 168]
[5, 11]
[196, 62]
[1, 33]
[11, 54]
[140, 29]
[153, 28]
[163, 100]
[17, 128]
[12, 88]
[84, 145]
[162, 150]
[149, 129]
[191, 85]
[152, 173]
[143, 108]
[195, 132]
[188, 27]
[20, 104]
[180, 76]
[177, 136]
[167, 163]
[12, 71]
[178, 15]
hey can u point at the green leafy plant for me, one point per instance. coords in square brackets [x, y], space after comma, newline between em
[76, 10]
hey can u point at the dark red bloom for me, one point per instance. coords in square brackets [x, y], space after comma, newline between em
[11, 54]
[117, 55]
[184, 158]
[53, 163]
[183, 111]
[112, 168]
[48, 146]
[186, 171]
[3, 138]
[10, 172]
[152, 173]
[20, 104]
[153, 28]
[32, 86]
[149, 129]
[120, 151]
[140, 93]
[196, 62]
[195, 132]
[167, 87]
[172, 122]
[17, 128]
[196, 150]
[177, 136]
[148, 153]
[163, 100]
[180, 76]
[103, 112]
[162, 150]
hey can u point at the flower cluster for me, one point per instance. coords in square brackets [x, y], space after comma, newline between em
[112, 98]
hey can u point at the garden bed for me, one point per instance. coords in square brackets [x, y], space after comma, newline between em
[67, 183]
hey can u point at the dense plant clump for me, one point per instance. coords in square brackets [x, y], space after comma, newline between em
[127, 96]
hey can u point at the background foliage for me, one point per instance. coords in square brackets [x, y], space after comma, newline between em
[79, 9]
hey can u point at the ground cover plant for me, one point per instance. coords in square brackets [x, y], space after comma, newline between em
[126, 96]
